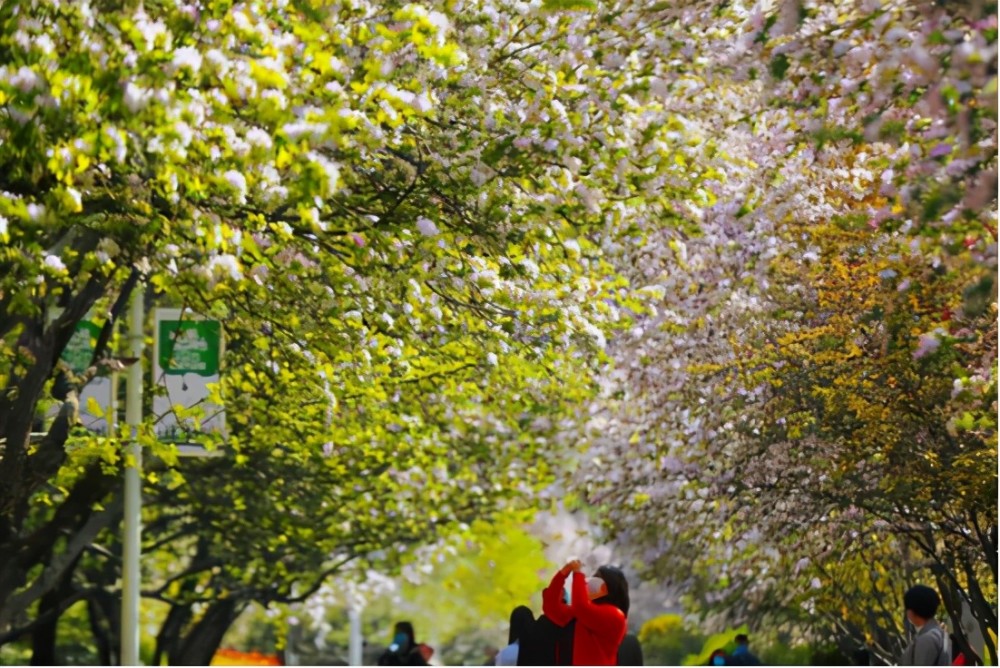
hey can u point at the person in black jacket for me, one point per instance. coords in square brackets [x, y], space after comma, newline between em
[544, 643]
[521, 619]
[630, 651]
[404, 649]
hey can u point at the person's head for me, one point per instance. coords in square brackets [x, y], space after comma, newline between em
[609, 585]
[403, 635]
[741, 639]
[921, 603]
[521, 618]
[718, 658]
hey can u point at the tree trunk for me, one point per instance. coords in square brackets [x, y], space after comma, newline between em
[953, 605]
[74, 517]
[45, 636]
[16, 417]
[202, 641]
[20, 474]
[168, 640]
[43, 344]
[99, 631]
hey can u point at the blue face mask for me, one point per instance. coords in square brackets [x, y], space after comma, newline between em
[399, 641]
[718, 660]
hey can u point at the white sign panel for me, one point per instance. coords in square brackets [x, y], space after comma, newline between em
[186, 360]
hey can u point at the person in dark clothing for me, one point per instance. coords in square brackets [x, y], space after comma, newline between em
[630, 651]
[742, 656]
[930, 645]
[404, 649]
[545, 643]
[521, 619]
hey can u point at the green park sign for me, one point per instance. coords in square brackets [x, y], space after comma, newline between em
[187, 358]
[189, 346]
[79, 351]
[77, 355]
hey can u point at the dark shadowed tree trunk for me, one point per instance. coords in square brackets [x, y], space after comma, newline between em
[200, 644]
[168, 640]
[26, 465]
[45, 636]
[104, 613]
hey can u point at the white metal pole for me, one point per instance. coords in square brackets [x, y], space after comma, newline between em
[133, 487]
[355, 640]
[113, 406]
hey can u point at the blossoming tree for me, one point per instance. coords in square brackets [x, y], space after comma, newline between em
[853, 239]
[397, 212]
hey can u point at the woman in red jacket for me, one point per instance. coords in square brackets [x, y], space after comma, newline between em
[598, 605]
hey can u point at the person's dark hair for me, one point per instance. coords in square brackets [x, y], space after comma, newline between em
[741, 639]
[922, 600]
[719, 652]
[617, 587]
[521, 618]
[406, 628]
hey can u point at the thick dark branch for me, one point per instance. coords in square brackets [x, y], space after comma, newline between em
[199, 566]
[185, 530]
[989, 547]
[116, 310]
[320, 579]
[58, 566]
[15, 633]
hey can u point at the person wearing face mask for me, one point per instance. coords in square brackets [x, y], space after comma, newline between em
[404, 649]
[598, 606]
[718, 658]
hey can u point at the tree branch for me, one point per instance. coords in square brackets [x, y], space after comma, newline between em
[57, 568]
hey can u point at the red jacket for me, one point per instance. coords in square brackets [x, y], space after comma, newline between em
[600, 627]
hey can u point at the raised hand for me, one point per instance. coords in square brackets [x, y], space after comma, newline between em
[572, 566]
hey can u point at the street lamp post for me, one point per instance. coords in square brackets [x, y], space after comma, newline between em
[131, 552]
[133, 487]
[354, 645]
